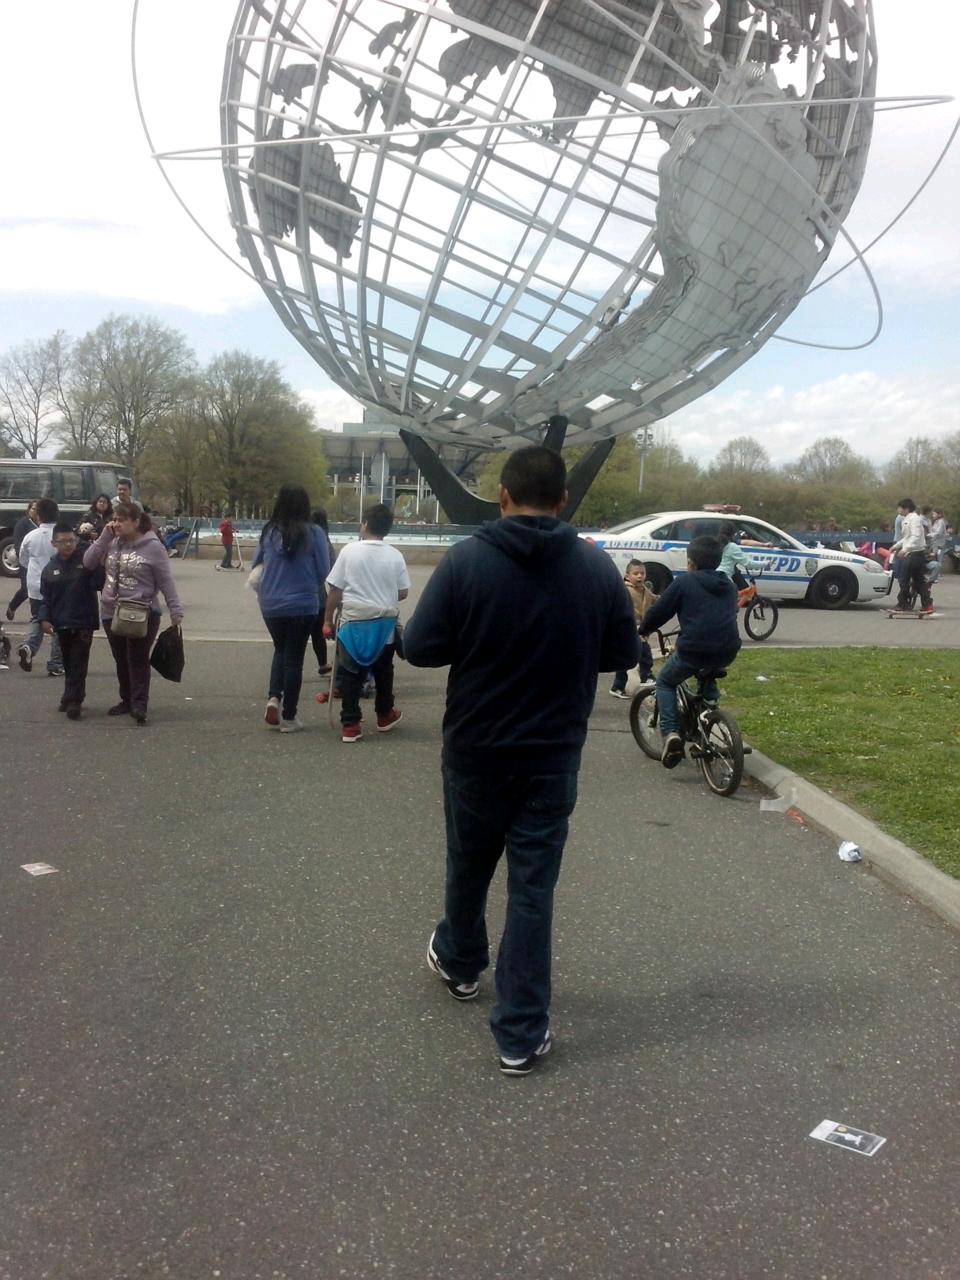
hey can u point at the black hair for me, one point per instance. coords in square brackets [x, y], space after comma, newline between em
[378, 519]
[319, 518]
[291, 516]
[725, 533]
[124, 480]
[705, 552]
[109, 511]
[47, 511]
[133, 511]
[908, 504]
[62, 527]
[635, 564]
[535, 477]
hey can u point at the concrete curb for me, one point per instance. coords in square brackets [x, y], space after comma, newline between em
[892, 859]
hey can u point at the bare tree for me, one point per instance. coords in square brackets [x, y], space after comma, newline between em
[255, 427]
[831, 461]
[142, 370]
[80, 398]
[741, 455]
[917, 468]
[28, 394]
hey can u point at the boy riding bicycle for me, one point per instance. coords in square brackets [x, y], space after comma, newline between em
[705, 604]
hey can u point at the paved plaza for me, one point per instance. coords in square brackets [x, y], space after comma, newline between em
[223, 1053]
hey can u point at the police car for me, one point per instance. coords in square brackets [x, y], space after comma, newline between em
[826, 577]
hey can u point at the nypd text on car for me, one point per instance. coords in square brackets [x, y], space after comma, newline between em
[826, 577]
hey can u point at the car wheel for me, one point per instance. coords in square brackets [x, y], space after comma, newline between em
[833, 589]
[658, 578]
[9, 564]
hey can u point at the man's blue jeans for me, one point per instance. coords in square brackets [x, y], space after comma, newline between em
[673, 672]
[528, 815]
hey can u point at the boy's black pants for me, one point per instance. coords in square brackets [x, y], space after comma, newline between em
[75, 647]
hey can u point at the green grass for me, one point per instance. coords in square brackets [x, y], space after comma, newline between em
[877, 728]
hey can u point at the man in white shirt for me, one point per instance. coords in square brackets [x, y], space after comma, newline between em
[367, 583]
[36, 552]
[911, 551]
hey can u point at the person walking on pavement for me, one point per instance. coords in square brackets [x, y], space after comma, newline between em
[367, 584]
[136, 569]
[26, 524]
[910, 550]
[293, 553]
[226, 538]
[36, 551]
[526, 614]
[68, 608]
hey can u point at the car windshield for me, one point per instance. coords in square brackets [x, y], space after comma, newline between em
[626, 525]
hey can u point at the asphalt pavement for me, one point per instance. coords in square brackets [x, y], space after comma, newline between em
[223, 1053]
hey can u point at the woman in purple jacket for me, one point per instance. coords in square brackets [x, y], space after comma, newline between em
[137, 568]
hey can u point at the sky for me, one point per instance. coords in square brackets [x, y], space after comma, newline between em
[89, 227]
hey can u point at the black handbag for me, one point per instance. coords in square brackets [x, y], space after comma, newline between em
[167, 658]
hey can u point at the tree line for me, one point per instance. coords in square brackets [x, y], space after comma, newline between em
[222, 436]
[829, 481]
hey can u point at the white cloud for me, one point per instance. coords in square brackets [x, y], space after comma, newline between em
[331, 407]
[874, 414]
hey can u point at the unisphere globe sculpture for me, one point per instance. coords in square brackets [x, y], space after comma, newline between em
[484, 216]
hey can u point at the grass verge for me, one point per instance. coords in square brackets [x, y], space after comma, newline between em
[877, 728]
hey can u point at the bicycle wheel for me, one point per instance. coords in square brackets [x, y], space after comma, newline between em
[722, 760]
[760, 618]
[643, 721]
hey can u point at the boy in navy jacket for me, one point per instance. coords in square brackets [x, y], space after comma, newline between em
[705, 603]
[68, 606]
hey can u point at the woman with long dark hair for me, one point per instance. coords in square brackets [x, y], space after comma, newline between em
[100, 513]
[293, 553]
[137, 569]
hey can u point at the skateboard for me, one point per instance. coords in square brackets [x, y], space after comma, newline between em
[911, 613]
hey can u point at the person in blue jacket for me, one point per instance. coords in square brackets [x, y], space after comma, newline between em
[526, 614]
[704, 601]
[293, 553]
[69, 609]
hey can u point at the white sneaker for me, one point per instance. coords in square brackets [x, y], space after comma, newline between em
[290, 726]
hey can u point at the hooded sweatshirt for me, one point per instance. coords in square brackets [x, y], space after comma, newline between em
[137, 570]
[526, 614]
[705, 604]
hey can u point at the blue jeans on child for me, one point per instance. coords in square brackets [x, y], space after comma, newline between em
[673, 673]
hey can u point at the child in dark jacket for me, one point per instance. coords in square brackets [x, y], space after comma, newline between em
[705, 604]
[68, 606]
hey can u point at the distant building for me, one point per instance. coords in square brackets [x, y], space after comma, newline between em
[369, 461]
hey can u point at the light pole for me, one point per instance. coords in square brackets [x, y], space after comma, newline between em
[644, 439]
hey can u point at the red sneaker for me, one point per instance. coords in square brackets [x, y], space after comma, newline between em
[324, 698]
[350, 733]
[272, 714]
[387, 722]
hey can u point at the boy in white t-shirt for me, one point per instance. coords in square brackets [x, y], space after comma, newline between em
[367, 583]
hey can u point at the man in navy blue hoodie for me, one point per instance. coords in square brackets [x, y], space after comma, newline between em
[526, 614]
[705, 603]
